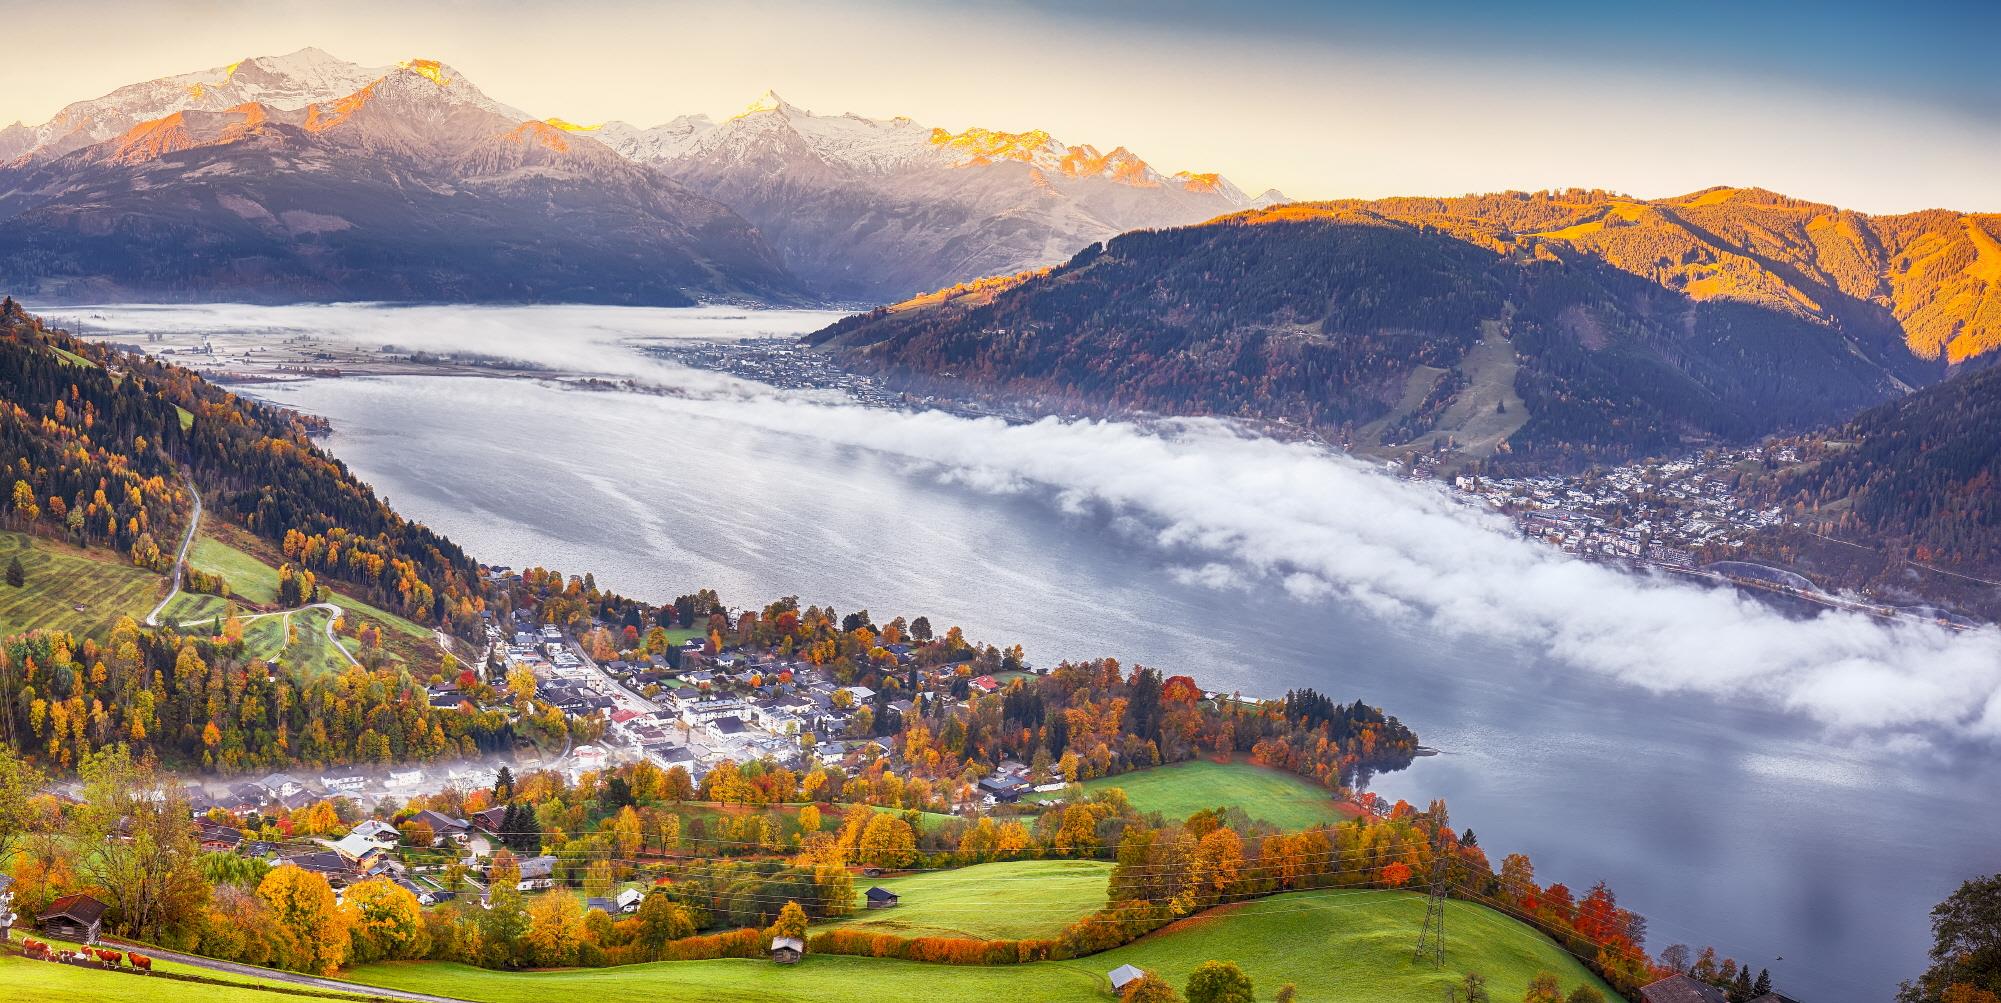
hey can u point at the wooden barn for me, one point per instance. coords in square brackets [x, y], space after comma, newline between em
[74, 917]
[787, 950]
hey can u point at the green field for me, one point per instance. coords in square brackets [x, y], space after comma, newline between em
[61, 578]
[1013, 900]
[257, 581]
[1335, 945]
[25, 981]
[1182, 789]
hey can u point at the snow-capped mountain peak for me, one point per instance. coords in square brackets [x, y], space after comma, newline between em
[770, 101]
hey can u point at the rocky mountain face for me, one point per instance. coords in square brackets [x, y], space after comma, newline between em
[413, 185]
[854, 209]
[879, 209]
[1518, 329]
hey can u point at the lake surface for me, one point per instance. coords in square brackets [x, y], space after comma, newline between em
[1731, 820]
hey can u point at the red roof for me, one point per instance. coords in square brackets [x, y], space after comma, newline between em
[82, 908]
[622, 716]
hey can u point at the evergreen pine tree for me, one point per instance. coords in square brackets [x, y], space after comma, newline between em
[1741, 989]
[1764, 983]
[17, 576]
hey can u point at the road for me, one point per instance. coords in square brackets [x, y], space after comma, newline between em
[333, 613]
[180, 565]
[180, 559]
[293, 978]
[632, 701]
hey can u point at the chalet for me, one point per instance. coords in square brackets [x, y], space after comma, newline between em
[443, 826]
[1123, 976]
[726, 727]
[74, 917]
[378, 831]
[490, 820]
[6, 904]
[787, 950]
[281, 784]
[249, 792]
[537, 874]
[444, 696]
[424, 894]
[405, 778]
[344, 782]
[1680, 988]
[628, 900]
[359, 850]
[217, 838]
[881, 898]
[298, 799]
[1003, 788]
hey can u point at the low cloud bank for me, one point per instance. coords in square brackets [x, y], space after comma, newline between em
[567, 338]
[1326, 528]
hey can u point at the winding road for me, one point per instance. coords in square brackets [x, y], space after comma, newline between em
[180, 559]
[274, 975]
[180, 566]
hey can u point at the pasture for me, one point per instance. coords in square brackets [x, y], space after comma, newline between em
[61, 578]
[1011, 900]
[1341, 946]
[1179, 790]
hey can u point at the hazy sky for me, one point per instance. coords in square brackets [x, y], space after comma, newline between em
[1880, 107]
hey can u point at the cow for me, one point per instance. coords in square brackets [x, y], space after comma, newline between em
[142, 963]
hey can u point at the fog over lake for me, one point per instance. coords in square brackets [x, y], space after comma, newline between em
[1775, 786]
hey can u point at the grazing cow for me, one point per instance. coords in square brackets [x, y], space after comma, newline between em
[142, 963]
[112, 958]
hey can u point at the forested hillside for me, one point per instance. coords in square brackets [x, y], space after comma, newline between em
[1918, 479]
[101, 450]
[1362, 319]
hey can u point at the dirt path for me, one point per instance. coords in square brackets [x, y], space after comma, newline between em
[180, 560]
[294, 978]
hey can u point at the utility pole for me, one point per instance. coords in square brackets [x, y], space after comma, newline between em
[1431, 940]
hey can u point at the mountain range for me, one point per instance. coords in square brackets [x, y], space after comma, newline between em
[1551, 327]
[307, 177]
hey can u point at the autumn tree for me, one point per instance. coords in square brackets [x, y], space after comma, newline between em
[1149, 988]
[887, 841]
[384, 921]
[791, 922]
[1543, 988]
[144, 856]
[1966, 946]
[1219, 982]
[555, 927]
[302, 904]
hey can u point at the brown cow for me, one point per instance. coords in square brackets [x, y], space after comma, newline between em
[142, 962]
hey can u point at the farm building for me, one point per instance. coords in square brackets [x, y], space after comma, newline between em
[1123, 976]
[537, 874]
[881, 898]
[787, 950]
[74, 917]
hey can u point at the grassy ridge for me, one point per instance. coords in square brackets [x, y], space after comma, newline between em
[1011, 900]
[61, 578]
[1180, 790]
[1343, 946]
[1339, 946]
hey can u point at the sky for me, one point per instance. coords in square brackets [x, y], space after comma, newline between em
[1880, 107]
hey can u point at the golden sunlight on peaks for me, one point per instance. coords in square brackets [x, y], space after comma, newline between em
[230, 70]
[320, 118]
[568, 126]
[543, 133]
[430, 69]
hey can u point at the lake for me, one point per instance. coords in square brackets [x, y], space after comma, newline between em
[1613, 729]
